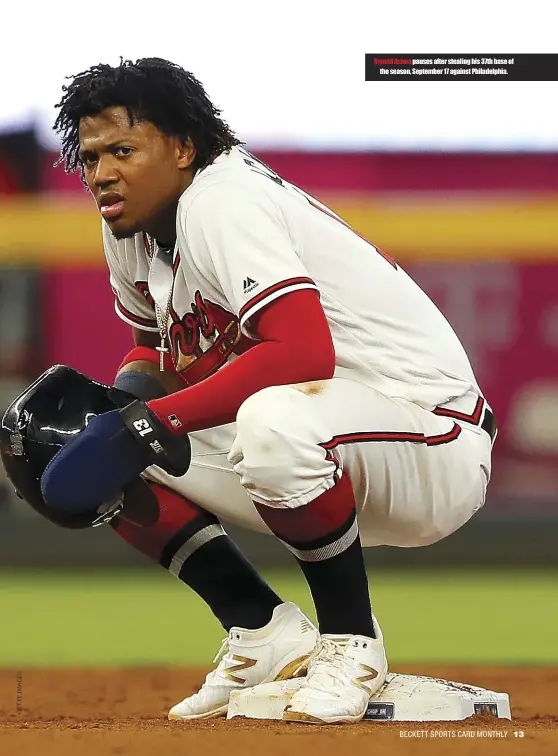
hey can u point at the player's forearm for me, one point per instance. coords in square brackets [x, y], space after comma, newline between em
[139, 374]
[287, 354]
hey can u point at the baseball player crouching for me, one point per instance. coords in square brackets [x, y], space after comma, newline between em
[321, 396]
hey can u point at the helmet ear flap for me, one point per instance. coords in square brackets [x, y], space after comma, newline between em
[41, 420]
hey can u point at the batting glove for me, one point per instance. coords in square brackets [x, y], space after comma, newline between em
[111, 452]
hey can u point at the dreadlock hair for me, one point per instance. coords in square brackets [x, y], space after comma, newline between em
[151, 89]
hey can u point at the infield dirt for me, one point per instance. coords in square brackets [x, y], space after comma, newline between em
[97, 712]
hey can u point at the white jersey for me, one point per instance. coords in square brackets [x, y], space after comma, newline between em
[245, 237]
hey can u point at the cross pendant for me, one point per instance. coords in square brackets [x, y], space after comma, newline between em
[162, 349]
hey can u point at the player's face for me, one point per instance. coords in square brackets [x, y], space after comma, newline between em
[136, 173]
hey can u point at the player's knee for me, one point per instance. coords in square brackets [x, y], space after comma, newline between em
[272, 442]
[266, 416]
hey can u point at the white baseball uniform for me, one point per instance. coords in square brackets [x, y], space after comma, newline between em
[402, 414]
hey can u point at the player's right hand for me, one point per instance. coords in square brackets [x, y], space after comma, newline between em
[110, 453]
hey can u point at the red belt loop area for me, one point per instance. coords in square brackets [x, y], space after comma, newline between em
[488, 423]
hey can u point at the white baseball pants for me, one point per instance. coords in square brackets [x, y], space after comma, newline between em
[417, 476]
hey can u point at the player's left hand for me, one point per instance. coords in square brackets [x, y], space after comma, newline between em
[111, 452]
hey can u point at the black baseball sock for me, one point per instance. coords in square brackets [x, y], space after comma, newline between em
[191, 544]
[324, 538]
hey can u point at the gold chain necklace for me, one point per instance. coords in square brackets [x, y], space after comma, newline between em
[162, 317]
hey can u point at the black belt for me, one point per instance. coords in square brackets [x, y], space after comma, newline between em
[489, 424]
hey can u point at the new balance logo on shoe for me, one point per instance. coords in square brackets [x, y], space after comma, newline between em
[249, 284]
[244, 663]
[305, 625]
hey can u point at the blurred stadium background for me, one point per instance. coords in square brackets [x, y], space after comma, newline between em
[478, 228]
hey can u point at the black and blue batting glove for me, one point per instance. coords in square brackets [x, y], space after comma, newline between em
[111, 452]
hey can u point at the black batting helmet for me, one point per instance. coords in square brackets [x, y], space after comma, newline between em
[47, 415]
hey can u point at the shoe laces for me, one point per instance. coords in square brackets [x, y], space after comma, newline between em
[215, 676]
[222, 651]
[326, 664]
[330, 650]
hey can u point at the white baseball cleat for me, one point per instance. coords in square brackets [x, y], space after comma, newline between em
[343, 673]
[278, 651]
